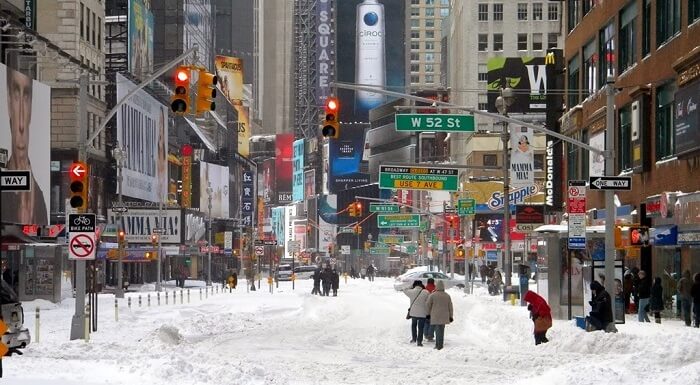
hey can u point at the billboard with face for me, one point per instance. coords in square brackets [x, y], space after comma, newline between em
[527, 76]
[216, 177]
[142, 130]
[25, 133]
[140, 40]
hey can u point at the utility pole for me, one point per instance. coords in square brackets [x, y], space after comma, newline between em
[209, 192]
[119, 155]
[161, 232]
[610, 194]
[502, 102]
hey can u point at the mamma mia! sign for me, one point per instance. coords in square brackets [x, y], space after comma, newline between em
[139, 225]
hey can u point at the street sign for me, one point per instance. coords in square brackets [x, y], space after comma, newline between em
[345, 249]
[411, 249]
[383, 208]
[466, 206]
[265, 242]
[81, 243]
[576, 209]
[158, 230]
[434, 122]
[610, 183]
[345, 230]
[525, 227]
[294, 246]
[379, 250]
[259, 250]
[398, 220]
[16, 180]
[391, 238]
[419, 178]
[120, 209]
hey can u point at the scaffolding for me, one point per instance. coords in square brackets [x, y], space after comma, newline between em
[306, 108]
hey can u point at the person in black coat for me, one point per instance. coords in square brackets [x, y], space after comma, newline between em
[643, 293]
[656, 303]
[327, 280]
[317, 281]
[335, 283]
[601, 307]
[695, 294]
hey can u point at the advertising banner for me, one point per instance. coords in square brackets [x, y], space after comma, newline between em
[527, 77]
[140, 40]
[687, 119]
[325, 64]
[298, 171]
[142, 129]
[139, 224]
[489, 195]
[269, 192]
[216, 177]
[248, 198]
[243, 130]
[488, 228]
[289, 212]
[327, 221]
[576, 208]
[25, 135]
[596, 162]
[310, 183]
[230, 72]
[283, 167]
[522, 158]
[277, 222]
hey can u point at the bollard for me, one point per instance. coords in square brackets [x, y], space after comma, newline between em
[148, 297]
[181, 297]
[166, 297]
[116, 310]
[200, 293]
[270, 282]
[128, 302]
[139, 300]
[206, 292]
[217, 290]
[345, 275]
[512, 299]
[36, 325]
[87, 323]
[188, 295]
[158, 296]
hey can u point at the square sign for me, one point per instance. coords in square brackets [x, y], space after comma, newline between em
[466, 206]
[81, 243]
[576, 208]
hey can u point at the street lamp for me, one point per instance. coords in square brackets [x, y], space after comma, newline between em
[119, 155]
[505, 100]
[209, 192]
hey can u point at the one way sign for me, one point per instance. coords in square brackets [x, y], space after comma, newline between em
[610, 183]
[16, 180]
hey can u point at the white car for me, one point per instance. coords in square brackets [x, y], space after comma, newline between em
[304, 272]
[405, 281]
[284, 273]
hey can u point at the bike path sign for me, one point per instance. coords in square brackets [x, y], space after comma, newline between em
[81, 244]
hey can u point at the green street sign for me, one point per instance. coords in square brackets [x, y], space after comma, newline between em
[383, 208]
[424, 225]
[419, 178]
[411, 249]
[434, 122]
[398, 220]
[390, 238]
[466, 206]
[345, 230]
[379, 250]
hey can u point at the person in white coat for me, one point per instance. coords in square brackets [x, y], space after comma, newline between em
[417, 310]
[440, 311]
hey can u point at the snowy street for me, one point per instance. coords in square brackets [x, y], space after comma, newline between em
[359, 337]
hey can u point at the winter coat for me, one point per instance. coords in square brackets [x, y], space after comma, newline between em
[656, 303]
[695, 290]
[327, 277]
[370, 270]
[335, 280]
[440, 306]
[540, 312]
[644, 288]
[684, 285]
[317, 277]
[430, 287]
[601, 304]
[417, 297]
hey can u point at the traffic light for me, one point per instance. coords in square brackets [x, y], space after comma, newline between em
[358, 209]
[154, 239]
[331, 126]
[79, 176]
[459, 253]
[180, 102]
[121, 237]
[206, 92]
[358, 229]
[352, 210]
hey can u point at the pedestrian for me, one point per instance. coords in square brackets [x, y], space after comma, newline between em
[370, 272]
[417, 310]
[335, 282]
[541, 315]
[643, 292]
[695, 293]
[627, 288]
[353, 273]
[600, 316]
[656, 302]
[440, 311]
[327, 280]
[317, 281]
[483, 270]
[684, 287]
[428, 329]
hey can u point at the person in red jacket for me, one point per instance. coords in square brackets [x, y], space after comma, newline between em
[428, 330]
[541, 315]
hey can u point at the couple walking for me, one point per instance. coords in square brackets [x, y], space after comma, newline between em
[430, 310]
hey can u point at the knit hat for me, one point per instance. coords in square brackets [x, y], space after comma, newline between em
[418, 282]
[440, 285]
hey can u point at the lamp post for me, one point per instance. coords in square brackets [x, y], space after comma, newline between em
[209, 192]
[119, 155]
[502, 103]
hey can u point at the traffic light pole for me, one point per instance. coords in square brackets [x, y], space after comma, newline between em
[119, 157]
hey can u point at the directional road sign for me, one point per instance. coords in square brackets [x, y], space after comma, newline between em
[259, 250]
[265, 242]
[398, 220]
[119, 209]
[610, 183]
[379, 250]
[434, 122]
[345, 230]
[466, 206]
[391, 238]
[419, 178]
[383, 208]
[20, 180]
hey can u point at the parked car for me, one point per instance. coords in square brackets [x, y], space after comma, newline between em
[284, 273]
[405, 281]
[17, 335]
[304, 272]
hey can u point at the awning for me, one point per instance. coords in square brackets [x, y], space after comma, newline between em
[207, 142]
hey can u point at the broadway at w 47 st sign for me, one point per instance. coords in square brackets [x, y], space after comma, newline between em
[419, 178]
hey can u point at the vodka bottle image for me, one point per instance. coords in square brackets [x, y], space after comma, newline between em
[370, 60]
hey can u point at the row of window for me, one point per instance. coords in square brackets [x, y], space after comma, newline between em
[428, 79]
[427, 57]
[523, 11]
[428, 45]
[429, 12]
[428, 34]
[91, 35]
[443, 3]
[523, 42]
[427, 68]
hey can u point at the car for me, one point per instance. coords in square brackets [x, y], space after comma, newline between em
[17, 335]
[304, 272]
[405, 281]
[284, 273]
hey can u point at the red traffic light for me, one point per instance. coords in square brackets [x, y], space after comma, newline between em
[182, 75]
[331, 105]
[77, 171]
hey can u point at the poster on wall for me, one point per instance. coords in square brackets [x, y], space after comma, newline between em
[310, 183]
[142, 130]
[140, 40]
[215, 177]
[25, 133]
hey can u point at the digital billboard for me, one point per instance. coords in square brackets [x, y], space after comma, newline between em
[283, 167]
[140, 40]
[298, 171]
[25, 134]
[216, 177]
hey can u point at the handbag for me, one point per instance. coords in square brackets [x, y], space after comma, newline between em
[408, 313]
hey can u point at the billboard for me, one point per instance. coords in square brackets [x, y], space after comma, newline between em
[267, 181]
[140, 42]
[243, 129]
[230, 72]
[248, 201]
[216, 177]
[687, 119]
[324, 58]
[139, 224]
[298, 171]
[488, 228]
[527, 77]
[522, 158]
[25, 133]
[596, 162]
[283, 167]
[327, 221]
[310, 183]
[142, 130]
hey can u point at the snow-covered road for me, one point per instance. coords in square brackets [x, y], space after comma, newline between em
[359, 337]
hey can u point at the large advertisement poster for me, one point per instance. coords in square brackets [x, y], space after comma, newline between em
[324, 58]
[298, 171]
[25, 133]
[139, 224]
[522, 158]
[327, 221]
[243, 129]
[525, 75]
[310, 183]
[269, 191]
[142, 129]
[687, 119]
[230, 72]
[596, 162]
[283, 167]
[140, 40]
[216, 177]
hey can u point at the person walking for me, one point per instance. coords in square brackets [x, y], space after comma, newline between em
[317, 281]
[601, 308]
[541, 315]
[656, 302]
[684, 287]
[370, 272]
[643, 292]
[440, 311]
[327, 280]
[335, 282]
[428, 329]
[627, 289]
[417, 310]
[695, 293]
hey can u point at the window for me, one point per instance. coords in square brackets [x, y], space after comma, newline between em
[415, 34]
[429, 23]
[483, 72]
[537, 11]
[624, 139]
[93, 84]
[415, 45]
[99, 88]
[522, 11]
[429, 2]
[99, 33]
[430, 34]
[585, 168]
[522, 42]
[552, 40]
[415, 11]
[87, 24]
[430, 45]
[415, 2]
[587, 6]
[444, 12]
[552, 11]
[537, 42]
[82, 21]
[665, 145]
[668, 20]
[627, 38]
[94, 28]
[415, 56]
[606, 53]
[415, 79]
[693, 11]
[490, 160]
[483, 12]
[498, 12]
[429, 57]
[415, 23]
[483, 42]
[429, 68]
[430, 12]
[573, 87]
[572, 14]
[498, 42]
[590, 72]
[483, 102]
[415, 67]
[646, 28]
[429, 78]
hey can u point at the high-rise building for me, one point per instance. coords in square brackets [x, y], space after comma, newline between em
[425, 41]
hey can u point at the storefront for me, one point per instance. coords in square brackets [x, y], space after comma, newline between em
[686, 213]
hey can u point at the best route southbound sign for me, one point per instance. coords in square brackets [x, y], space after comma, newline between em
[419, 178]
[81, 244]
[16, 180]
[434, 122]
[610, 183]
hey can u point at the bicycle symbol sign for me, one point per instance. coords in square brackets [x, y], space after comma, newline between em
[81, 223]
